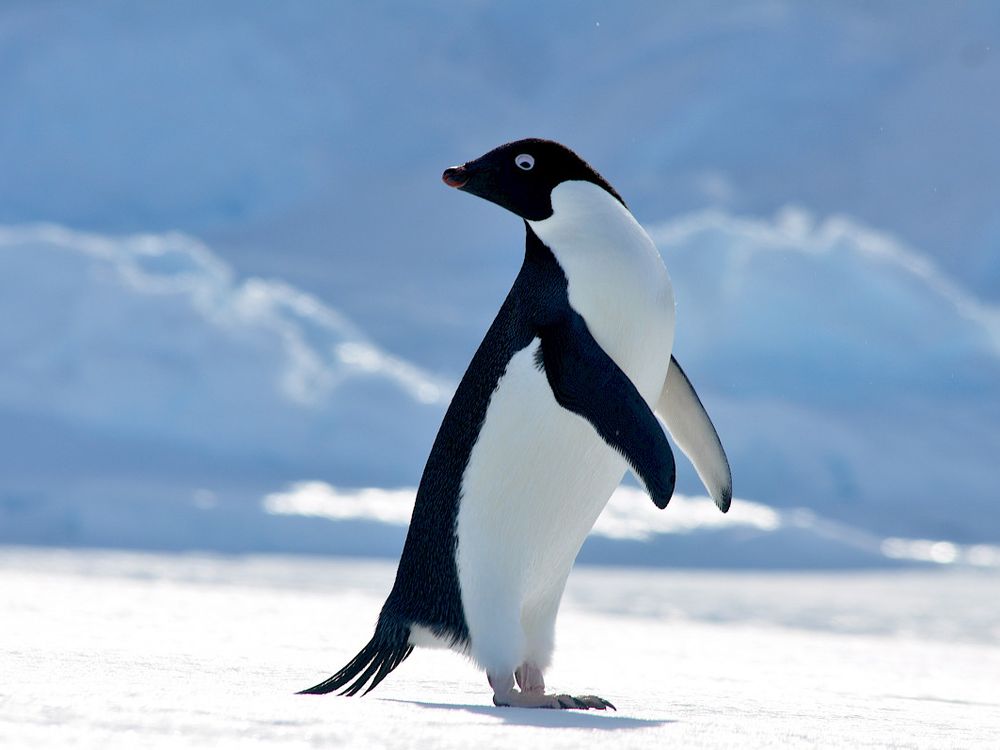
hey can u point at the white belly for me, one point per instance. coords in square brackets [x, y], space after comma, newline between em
[536, 482]
[539, 476]
[617, 280]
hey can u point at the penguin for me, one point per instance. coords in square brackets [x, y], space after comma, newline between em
[559, 401]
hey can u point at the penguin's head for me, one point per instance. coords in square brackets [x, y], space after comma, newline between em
[520, 176]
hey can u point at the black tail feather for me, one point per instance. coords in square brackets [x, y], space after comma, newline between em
[387, 649]
[388, 666]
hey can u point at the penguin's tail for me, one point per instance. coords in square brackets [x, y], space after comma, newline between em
[387, 649]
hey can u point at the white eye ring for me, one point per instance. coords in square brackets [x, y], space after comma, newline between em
[524, 161]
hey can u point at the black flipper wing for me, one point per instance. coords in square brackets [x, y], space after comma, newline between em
[587, 382]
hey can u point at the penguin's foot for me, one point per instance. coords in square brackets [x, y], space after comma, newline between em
[518, 699]
[532, 693]
[529, 678]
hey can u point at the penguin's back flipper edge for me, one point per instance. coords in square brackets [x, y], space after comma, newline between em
[693, 431]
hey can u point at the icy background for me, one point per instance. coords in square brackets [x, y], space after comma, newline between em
[235, 293]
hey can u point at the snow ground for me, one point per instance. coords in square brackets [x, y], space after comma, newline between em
[112, 649]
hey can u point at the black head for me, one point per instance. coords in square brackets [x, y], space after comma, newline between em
[520, 176]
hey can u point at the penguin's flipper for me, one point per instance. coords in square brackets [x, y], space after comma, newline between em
[587, 382]
[693, 431]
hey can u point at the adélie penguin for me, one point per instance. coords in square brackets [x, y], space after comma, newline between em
[558, 401]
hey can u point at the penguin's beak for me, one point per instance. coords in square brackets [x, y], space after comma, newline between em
[455, 177]
[477, 178]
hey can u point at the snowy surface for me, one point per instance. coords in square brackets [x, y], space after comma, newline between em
[116, 650]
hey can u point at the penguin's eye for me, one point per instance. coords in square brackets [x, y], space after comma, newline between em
[524, 161]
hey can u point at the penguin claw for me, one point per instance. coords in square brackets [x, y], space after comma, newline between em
[594, 701]
[585, 701]
[568, 701]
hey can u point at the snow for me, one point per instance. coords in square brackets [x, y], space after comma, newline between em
[111, 649]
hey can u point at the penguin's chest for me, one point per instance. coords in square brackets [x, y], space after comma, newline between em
[539, 475]
[616, 280]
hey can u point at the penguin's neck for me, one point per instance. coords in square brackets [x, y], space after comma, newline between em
[615, 277]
